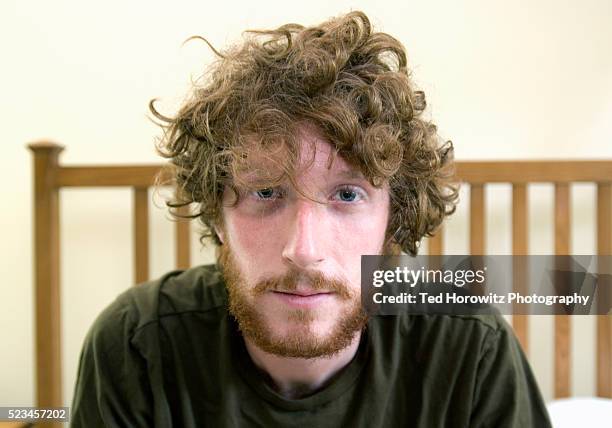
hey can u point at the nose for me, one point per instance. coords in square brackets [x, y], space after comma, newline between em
[306, 235]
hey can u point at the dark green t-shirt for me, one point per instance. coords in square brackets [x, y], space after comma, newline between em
[168, 354]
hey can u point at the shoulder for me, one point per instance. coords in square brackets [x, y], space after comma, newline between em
[491, 323]
[200, 289]
[482, 331]
[197, 289]
[443, 336]
[454, 325]
[118, 378]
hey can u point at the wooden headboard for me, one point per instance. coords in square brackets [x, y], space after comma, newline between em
[50, 177]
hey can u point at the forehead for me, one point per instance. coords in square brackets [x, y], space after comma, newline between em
[310, 154]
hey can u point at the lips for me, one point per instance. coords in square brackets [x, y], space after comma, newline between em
[303, 293]
[303, 299]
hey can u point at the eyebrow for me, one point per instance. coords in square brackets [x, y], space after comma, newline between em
[355, 174]
[351, 173]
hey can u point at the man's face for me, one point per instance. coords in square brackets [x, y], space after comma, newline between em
[292, 265]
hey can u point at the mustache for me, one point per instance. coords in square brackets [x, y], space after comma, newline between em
[314, 280]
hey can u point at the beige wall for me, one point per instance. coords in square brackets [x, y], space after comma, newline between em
[528, 79]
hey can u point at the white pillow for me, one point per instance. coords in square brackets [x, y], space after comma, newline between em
[582, 412]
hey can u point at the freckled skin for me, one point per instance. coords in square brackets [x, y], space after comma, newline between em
[269, 235]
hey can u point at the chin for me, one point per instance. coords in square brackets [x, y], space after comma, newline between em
[317, 330]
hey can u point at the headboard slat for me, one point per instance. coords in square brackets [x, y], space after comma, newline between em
[436, 243]
[562, 322]
[477, 219]
[141, 234]
[182, 235]
[520, 247]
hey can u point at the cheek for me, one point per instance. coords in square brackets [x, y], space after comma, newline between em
[352, 239]
[362, 234]
[250, 238]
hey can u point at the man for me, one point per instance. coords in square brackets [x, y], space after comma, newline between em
[304, 150]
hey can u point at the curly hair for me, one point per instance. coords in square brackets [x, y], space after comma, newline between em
[348, 81]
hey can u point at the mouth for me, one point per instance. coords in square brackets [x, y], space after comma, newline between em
[303, 299]
[303, 293]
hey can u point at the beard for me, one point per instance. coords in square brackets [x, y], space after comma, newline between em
[304, 343]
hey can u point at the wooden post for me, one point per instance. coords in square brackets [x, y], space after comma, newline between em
[46, 274]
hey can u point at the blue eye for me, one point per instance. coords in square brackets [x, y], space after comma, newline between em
[348, 194]
[267, 194]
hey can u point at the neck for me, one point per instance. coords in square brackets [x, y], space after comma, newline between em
[298, 377]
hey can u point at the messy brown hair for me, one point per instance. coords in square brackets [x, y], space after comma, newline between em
[349, 82]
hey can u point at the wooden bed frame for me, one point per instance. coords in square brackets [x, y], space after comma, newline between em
[50, 177]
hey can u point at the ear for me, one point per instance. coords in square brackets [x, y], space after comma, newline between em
[220, 233]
